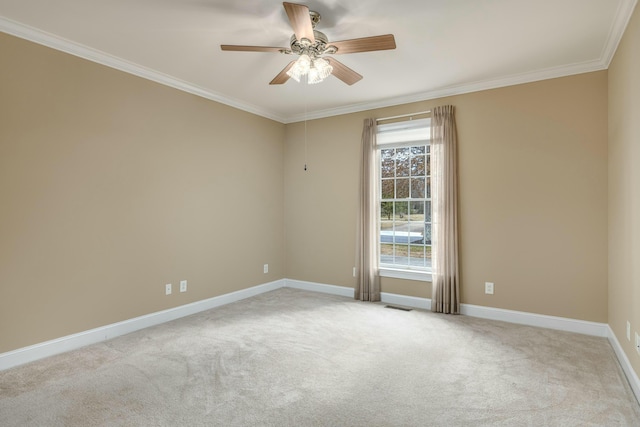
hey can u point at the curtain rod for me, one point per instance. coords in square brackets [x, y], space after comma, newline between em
[403, 115]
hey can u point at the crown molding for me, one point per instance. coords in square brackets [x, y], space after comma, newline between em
[621, 20]
[58, 43]
[618, 27]
[516, 79]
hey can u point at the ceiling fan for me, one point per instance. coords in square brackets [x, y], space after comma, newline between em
[310, 45]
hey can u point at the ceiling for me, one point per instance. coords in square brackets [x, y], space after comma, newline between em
[444, 47]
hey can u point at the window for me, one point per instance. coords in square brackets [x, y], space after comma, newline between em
[405, 199]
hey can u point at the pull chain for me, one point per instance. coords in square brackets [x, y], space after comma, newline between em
[305, 123]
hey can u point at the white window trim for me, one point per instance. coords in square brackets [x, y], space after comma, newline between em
[415, 132]
[398, 273]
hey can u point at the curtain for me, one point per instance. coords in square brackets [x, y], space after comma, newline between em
[368, 286]
[444, 197]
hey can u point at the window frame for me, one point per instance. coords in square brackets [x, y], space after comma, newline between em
[404, 134]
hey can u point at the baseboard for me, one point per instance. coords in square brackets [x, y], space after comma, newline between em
[533, 319]
[71, 342]
[519, 317]
[103, 333]
[511, 316]
[404, 300]
[385, 297]
[632, 377]
[320, 287]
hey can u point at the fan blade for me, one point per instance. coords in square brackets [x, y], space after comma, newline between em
[282, 77]
[236, 48]
[300, 21]
[343, 72]
[365, 44]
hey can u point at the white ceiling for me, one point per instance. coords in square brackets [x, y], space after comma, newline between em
[444, 47]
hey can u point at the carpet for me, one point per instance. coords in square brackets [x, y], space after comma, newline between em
[297, 358]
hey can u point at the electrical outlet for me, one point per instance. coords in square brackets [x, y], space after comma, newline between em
[354, 272]
[183, 286]
[167, 289]
[637, 343]
[488, 288]
[266, 268]
[628, 331]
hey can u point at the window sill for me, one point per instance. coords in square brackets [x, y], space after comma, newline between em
[422, 276]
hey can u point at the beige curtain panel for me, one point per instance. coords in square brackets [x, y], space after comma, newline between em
[368, 286]
[444, 196]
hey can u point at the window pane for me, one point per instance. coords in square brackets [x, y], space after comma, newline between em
[418, 167]
[405, 216]
[417, 211]
[387, 163]
[386, 211]
[428, 166]
[402, 188]
[386, 254]
[428, 149]
[387, 188]
[416, 255]
[401, 209]
[416, 226]
[417, 188]
[388, 168]
[401, 227]
[416, 232]
[428, 188]
[401, 255]
[402, 162]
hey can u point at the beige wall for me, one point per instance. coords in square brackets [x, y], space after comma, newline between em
[112, 186]
[624, 189]
[533, 197]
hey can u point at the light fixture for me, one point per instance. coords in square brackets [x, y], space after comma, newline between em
[316, 69]
[300, 68]
[319, 71]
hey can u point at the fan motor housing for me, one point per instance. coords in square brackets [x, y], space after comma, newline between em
[305, 46]
[312, 49]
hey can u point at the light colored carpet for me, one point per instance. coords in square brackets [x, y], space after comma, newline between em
[296, 358]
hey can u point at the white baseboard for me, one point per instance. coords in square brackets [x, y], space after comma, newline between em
[632, 377]
[533, 319]
[407, 301]
[519, 317]
[103, 333]
[320, 287]
[72, 342]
